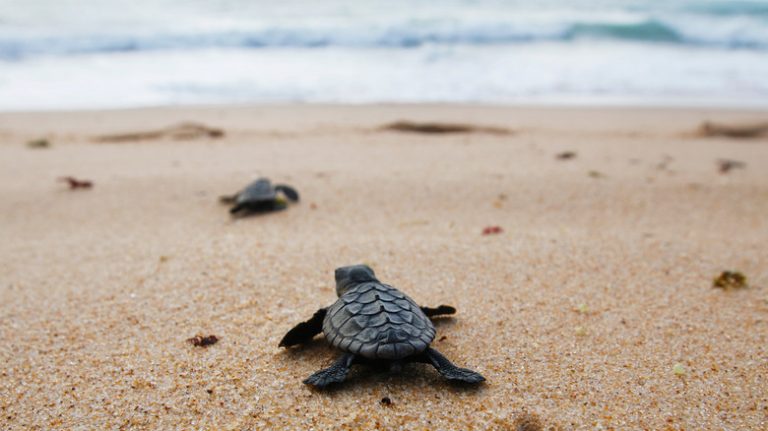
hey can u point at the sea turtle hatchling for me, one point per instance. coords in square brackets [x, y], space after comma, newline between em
[260, 196]
[372, 322]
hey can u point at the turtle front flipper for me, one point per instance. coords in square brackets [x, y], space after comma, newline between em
[439, 311]
[228, 199]
[336, 373]
[304, 331]
[450, 371]
[237, 208]
[288, 191]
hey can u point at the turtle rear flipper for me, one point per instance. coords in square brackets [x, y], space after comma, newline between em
[304, 331]
[288, 191]
[450, 371]
[439, 311]
[336, 373]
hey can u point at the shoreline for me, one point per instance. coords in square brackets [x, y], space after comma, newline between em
[576, 106]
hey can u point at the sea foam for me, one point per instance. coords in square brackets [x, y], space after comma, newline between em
[174, 51]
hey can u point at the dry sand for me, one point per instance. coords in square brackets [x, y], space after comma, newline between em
[577, 313]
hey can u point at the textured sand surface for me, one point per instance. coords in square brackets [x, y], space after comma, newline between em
[600, 283]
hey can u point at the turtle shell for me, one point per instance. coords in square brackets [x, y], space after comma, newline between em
[377, 321]
[258, 191]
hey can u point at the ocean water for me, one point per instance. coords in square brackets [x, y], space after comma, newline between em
[81, 54]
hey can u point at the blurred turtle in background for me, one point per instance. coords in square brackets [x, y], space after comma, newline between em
[261, 196]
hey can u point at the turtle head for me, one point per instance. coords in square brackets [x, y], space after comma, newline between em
[348, 276]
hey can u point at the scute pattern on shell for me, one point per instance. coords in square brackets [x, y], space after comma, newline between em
[259, 190]
[377, 321]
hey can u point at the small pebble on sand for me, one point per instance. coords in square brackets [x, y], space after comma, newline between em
[679, 369]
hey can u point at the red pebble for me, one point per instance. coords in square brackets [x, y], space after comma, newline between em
[492, 230]
[74, 183]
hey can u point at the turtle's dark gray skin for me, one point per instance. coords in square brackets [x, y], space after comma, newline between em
[372, 322]
[261, 196]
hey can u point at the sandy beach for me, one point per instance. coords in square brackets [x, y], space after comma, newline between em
[593, 309]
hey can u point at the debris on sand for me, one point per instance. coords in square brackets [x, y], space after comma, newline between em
[74, 183]
[492, 230]
[414, 223]
[663, 165]
[679, 369]
[201, 341]
[442, 128]
[39, 143]
[565, 155]
[182, 131]
[386, 402]
[499, 202]
[725, 165]
[730, 280]
[527, 422]
[595, 174]
[582, 309]
[743, 131]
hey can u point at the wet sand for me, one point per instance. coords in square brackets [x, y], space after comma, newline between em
[593, 309]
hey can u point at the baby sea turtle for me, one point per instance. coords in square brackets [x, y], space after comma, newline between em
[261, 196]
[372, 322]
